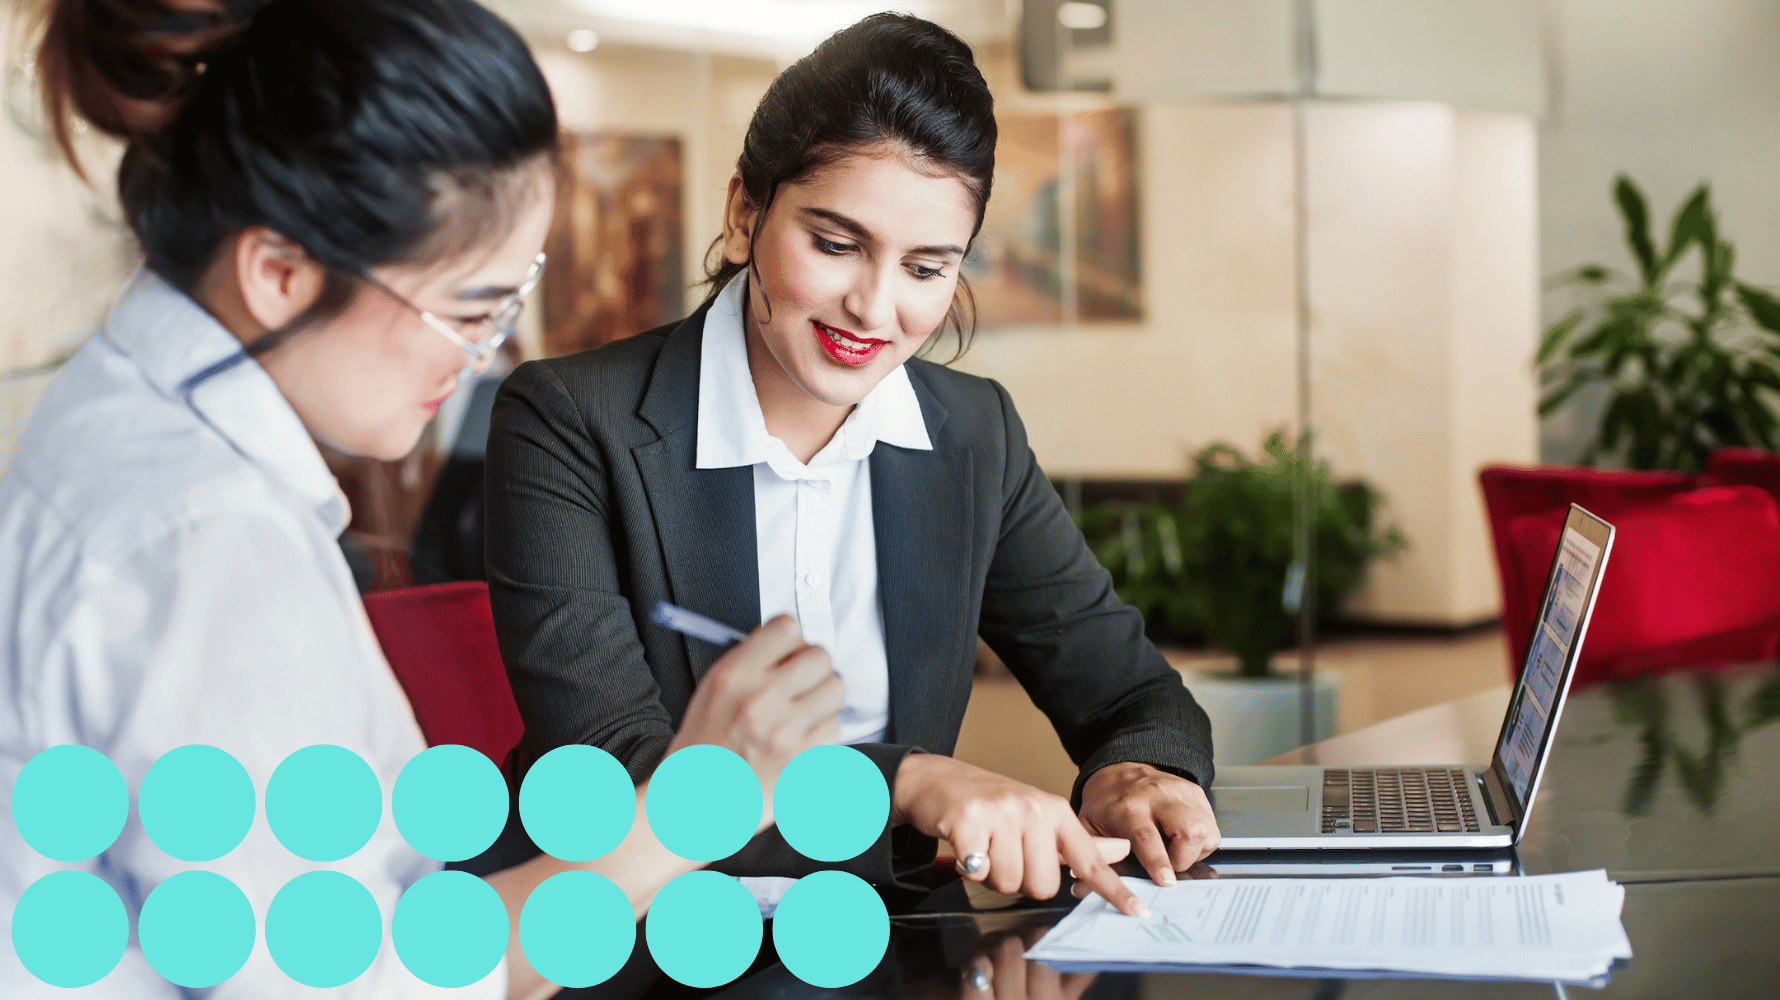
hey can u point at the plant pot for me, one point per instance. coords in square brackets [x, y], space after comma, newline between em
[1254, 718]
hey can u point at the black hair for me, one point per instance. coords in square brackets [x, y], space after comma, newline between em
[368, 132]
[890, 80]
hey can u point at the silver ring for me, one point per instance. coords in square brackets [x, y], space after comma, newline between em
[979, 981]
[971, 864]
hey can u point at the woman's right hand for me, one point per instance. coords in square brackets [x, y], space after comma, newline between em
[768, 699]
[1024, 835]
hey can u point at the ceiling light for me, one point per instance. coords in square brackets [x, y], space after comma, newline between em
[583, 40]
[791, 22]
[1081, 16]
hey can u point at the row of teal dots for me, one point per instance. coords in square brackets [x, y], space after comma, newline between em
[324, 928]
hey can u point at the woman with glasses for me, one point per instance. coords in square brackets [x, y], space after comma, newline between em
[481, 338]
[340, 205]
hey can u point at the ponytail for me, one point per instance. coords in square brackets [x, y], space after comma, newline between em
[368, 132]
[126, 67]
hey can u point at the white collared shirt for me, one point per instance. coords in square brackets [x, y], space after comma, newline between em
[813, 523]
[813, 527]
[169, 574]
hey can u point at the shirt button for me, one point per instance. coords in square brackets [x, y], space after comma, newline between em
[812, 579]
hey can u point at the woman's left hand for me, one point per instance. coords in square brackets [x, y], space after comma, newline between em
[1167, 818]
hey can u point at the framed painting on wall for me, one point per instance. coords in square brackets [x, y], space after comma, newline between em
[1016, 268]
[616, 265]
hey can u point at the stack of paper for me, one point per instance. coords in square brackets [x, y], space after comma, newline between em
[1548, 927]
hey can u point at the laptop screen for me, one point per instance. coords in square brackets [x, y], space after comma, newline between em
[1537, 696]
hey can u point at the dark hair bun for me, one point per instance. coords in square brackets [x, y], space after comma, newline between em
[369, 132]
[126, 66]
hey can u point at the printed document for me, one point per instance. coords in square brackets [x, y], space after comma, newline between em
[1548, 927]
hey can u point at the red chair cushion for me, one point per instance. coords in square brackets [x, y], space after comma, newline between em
[1510, 493]
[1745, 467]
[440, 642]
[1693, 580]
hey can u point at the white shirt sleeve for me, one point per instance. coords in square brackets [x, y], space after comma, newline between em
[233, 629]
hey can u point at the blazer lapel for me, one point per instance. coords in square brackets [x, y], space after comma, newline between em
[704, 518]
[921, 510]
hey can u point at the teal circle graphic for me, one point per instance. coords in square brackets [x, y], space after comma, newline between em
[577, 803]
[196, 803]
[831, 803]
[323, 802]
[70, 803]
[831, 929]
[450, 802]
[69, 929]
[323, 929]
[196, 929]
[703, 802]
[450, 928]
[703, 929]
[577, 929]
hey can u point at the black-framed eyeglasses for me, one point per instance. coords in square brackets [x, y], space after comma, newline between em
[480, 339]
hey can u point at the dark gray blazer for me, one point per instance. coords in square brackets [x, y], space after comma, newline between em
[595, 512]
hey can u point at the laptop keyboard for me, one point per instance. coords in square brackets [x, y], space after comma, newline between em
[1397, 800]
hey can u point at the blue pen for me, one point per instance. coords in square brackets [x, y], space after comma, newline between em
[694, 624]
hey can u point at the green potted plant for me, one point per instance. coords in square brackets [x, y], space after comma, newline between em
[1688, 365]
[1216, 568]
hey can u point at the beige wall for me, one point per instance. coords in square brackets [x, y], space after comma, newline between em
[65, 251]
[1423, 285]
[1495, 310]
[1424, 288]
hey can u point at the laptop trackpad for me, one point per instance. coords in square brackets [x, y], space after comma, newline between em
[1261, 799]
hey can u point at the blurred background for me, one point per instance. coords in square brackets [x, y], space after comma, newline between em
[1267, 279]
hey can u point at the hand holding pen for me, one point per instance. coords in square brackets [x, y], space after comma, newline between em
[770, 697]
[694, 624]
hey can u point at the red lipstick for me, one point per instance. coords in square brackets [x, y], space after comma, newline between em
[849, 349]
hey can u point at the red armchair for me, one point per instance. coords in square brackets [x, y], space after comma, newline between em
[1694, 579]
[440, 642]
[1745, 467]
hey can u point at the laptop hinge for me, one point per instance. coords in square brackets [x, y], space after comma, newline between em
[1500, 806]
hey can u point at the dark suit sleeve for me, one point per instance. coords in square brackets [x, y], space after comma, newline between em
[565, 626]
[1050, 613]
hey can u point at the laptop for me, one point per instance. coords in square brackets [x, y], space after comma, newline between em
[1286, 808]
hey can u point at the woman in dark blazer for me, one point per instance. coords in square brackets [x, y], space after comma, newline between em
[781, 449]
